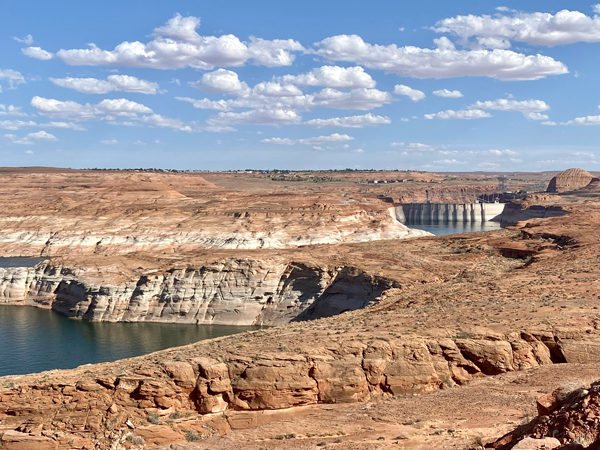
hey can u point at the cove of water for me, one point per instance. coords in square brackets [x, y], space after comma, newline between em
[34, 340]
[456, 228]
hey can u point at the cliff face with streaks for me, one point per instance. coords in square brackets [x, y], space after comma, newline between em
[120, 214]
[230, 292]
[522, 211]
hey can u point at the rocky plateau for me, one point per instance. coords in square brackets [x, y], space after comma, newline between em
[382, 342]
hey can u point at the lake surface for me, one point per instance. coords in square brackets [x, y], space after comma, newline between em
[456, 228]
[34, 340]
[18, 261]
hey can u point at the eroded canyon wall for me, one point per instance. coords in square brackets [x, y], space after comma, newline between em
[229, 292]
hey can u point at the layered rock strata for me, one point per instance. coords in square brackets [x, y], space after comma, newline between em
[100, 407]
[520, 212]
[229, 292]
[569, 180]
[126, 213]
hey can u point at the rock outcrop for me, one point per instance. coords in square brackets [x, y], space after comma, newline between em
[569, 417]
[228, 375]
[229, 292]
[522, 211]
[569, 180]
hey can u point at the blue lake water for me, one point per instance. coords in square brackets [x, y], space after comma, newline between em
[34, 340]
[456, 228]
[18, 261]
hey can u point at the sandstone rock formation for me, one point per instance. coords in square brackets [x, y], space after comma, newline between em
[569, 417]
[217, 378]
[441, 312]
[569, 180]
[125, 213]
[523, 211]
[228, 292]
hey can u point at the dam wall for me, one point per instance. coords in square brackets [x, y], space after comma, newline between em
[441, 213]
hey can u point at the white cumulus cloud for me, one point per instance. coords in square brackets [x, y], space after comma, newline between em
[462, 114]
[113, 83]
[128, 83]
[564, 27]
[70, 110]
[156, 120]
[335, 137]
[20, 124]
[255, 117]
[445, 61]
[314, 141]
[588, 120]
[41, 136]
[367, 120]
[37, 53]
[275, 96]
[273, 53]
[272, 89]
[333, 77]
[279, 141]
[218, 105]
[448, 94]
[359, 99]
[177, 45]
[536, 116]
[531, 109]
[221, 81]
[414, 94]
[31, 137]
[502, 152]
[16, 124]
[121, 107]
[525, 106]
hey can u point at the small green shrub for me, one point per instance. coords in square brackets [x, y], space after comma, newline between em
[153, 418]
[192, 436]
[175, 415]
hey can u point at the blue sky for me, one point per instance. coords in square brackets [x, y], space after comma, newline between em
[440, 86]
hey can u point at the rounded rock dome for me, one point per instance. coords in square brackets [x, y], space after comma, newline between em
[569, 180]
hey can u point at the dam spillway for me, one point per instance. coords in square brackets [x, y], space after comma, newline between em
[445, 213]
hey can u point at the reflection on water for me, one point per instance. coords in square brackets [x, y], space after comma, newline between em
[18, 261]
[456, 228]
[34, 340]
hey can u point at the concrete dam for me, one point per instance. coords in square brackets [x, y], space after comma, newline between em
[442, 213]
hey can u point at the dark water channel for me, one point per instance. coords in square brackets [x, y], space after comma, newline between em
[34, 340]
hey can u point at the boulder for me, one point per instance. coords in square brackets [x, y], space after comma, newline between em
[537, 444]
